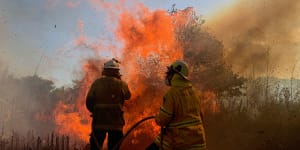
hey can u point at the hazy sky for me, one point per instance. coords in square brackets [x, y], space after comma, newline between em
[261, 37]
[41, 34]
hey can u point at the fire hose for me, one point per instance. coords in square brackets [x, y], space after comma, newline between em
[131, 129]
[126, 134]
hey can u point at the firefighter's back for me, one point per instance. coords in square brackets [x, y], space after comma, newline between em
[185, 130]
[109, 98]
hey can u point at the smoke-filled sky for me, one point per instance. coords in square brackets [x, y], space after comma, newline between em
[42, 37]
[261, 37]
[46, 37]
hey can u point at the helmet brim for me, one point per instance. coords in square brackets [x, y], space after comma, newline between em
[183, 76]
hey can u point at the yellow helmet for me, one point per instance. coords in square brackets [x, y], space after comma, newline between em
[181, 68]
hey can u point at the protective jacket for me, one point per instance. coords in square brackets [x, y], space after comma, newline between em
[105, 100]
[180, 114]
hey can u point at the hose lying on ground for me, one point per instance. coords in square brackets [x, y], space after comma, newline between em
[130, 130]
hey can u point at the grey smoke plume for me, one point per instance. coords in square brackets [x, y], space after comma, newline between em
[260, 36]
[26, 103]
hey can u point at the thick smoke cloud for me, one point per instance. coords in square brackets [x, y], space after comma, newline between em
[26, 103]
[260, 36]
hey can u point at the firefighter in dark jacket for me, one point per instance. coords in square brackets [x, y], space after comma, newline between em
[105, 100]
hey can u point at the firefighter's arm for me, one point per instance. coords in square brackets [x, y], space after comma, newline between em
[165, 113]
[200, 111]
[90, 98]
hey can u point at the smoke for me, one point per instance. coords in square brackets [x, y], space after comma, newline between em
[26, 103]
[260, 36]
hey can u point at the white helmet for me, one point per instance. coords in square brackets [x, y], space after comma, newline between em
[112, 64]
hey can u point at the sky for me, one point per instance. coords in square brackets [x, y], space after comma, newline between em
[41, 37]
[37, 37]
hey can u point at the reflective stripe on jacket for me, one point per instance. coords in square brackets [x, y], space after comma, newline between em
[105, 101]
[181, 115]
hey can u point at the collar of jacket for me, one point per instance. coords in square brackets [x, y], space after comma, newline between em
[177, 80]
[110, 77]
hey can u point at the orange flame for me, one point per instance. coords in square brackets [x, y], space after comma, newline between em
[74, 119]
[149, 46]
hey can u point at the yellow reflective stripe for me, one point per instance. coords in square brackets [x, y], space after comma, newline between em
[158, 141]
[165, 112]
[192, 147]
[197, 147]
[185, 123]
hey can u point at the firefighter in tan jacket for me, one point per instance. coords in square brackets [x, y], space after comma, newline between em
[105, 100]
[180, 115]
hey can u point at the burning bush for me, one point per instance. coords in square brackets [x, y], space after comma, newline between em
[239, 113]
